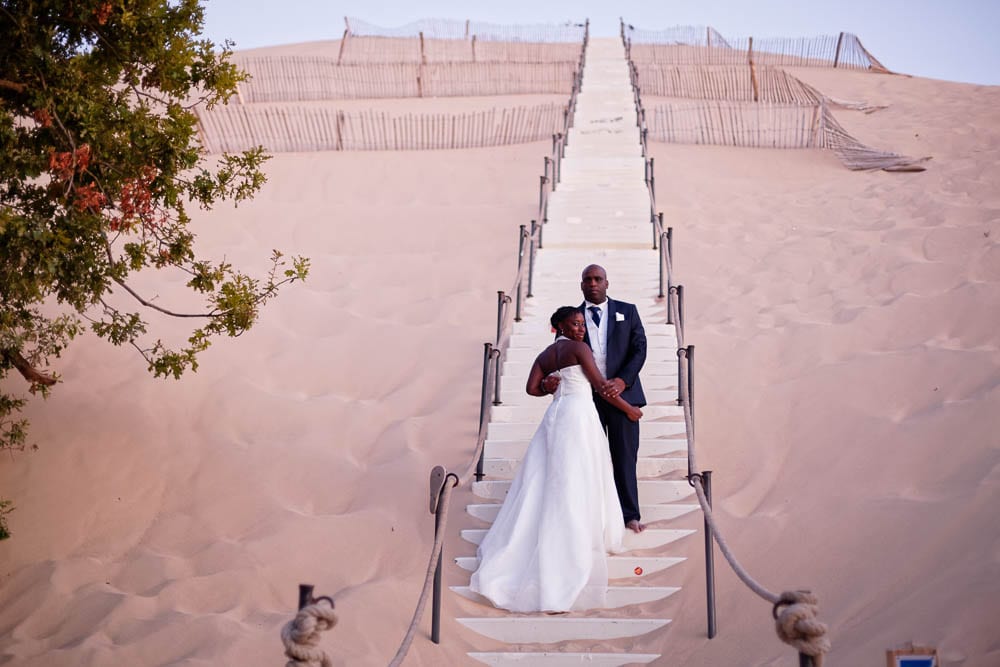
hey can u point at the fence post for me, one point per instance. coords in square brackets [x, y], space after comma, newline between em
[483, 400]
[706, 477]
[836, 57]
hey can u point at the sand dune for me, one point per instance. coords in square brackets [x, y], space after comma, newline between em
[848, 400]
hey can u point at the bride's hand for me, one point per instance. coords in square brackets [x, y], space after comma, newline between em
[634, 413]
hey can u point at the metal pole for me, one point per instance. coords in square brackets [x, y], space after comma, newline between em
[501, 302]
[531, 257]
[659, 294]
[690, 374]
[670, 247]
[541, 193]
[496, 378]
[706, 477]
[680, 306]
[520, 261]
[436, 603]
[680, 398]
[305, 594]
[670, 297]
[483, 400]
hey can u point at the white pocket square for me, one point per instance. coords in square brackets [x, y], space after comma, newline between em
[619, 317]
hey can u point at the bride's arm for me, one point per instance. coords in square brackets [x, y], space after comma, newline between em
[586, 360]
[534, 385]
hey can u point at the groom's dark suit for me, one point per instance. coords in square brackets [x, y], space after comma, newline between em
[626, 353]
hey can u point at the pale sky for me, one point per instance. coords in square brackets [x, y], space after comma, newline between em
[956, 40]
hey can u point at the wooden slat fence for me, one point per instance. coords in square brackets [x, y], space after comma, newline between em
[374, 49]
[695, 46]
[299, 78]
[299, 129]
[767, 125]
[724, 82]
[453, 29]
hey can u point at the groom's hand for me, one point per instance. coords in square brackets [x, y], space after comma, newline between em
[613, 387]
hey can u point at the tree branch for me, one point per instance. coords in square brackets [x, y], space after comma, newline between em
[30, 373]
[13, 85]
[148, 304]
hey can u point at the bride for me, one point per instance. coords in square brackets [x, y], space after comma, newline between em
[547, 549]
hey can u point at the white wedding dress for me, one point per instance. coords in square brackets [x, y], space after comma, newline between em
[547, 549]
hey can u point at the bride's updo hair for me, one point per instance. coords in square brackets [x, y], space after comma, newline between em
[561, 314]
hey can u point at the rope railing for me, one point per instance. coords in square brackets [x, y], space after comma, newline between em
[794, 612]
[442, 482]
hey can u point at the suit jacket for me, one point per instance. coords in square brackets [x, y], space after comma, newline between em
[626, 348]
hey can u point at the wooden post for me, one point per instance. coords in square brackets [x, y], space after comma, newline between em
[473, 48]
[343, 43]
[467, 28]
[708, 37]
[340, 130]
[423, 55]
[836, 57]
[753, 72]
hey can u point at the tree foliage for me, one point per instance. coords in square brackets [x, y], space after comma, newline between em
[99, 163]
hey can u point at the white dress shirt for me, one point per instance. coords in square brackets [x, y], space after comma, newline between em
[598, 335]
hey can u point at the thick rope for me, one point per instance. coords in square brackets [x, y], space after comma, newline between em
[444, 500]
[301, 635]
[796, 624]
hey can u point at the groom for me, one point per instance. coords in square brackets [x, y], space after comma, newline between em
[615, 334]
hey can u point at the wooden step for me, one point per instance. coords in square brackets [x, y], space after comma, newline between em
[646, 467]
[532, 412]
[546, 629]
[514, 394]
[527, 659]
[651, 538]
[674, 447]
[525, 429]
[650, 492]
[617, 596]
[650, 513]
[619, 567]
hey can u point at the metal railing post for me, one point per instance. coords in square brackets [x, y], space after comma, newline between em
[680, 397]
[436, 602]
[690, 392]
[659, 294]
[680, 307]
[520, 262]
[531, 257]
[496, 376]
[706, 477]
[501, 302]
[484, 398]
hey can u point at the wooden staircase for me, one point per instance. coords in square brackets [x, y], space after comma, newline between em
[598, 214]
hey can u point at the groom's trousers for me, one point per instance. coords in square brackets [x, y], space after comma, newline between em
[623, 439]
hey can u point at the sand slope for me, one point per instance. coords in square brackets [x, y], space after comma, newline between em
[848, 402]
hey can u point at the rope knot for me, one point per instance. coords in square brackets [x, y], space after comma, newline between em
[301, 635]
[795, 615]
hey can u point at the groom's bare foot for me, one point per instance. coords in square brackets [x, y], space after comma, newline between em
[635, 526]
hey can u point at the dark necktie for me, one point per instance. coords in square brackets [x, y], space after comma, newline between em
[595, 314]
